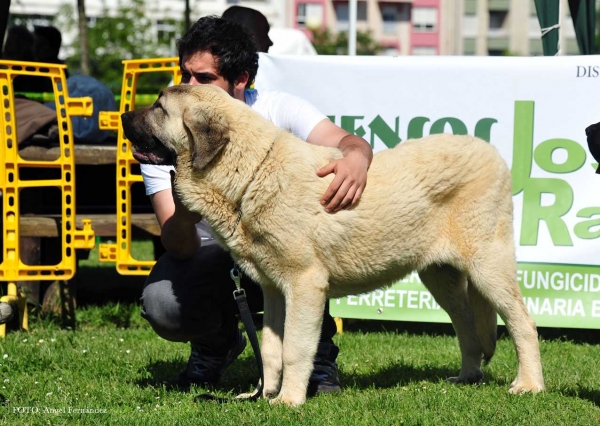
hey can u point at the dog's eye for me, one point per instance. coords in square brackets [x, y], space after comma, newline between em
[160, 107]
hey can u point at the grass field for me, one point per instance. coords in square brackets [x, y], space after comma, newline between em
[390, 377]
[114, 370]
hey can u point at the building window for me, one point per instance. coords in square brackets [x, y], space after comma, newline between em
[342, 12]
[424, 50]
[424, 19]
[390, 15]
[310, 14]
[497, 19]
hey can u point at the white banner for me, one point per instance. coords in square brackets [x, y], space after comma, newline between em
[534, 110]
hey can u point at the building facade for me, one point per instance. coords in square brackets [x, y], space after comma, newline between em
[401, 27]
[161, 13]
[504, 27]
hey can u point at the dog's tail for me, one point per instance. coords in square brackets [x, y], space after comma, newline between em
[486, 322]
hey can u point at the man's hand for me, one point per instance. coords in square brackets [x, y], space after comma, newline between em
[350, 172]
[349, 182]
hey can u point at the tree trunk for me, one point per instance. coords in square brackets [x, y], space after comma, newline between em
[187, 15]
[4, 8]
[83, 38]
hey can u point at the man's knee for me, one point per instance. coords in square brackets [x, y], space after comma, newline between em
[162, 310]
[184, 300]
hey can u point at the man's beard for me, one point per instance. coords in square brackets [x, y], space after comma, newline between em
[230, 91]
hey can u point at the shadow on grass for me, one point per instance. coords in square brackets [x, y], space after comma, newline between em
[402, 374]
[101, 285]
[241, 376]
[162, 373]
[591, 395]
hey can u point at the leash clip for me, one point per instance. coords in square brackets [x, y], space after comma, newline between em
[236, 276]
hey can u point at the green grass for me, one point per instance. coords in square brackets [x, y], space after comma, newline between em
[140, 250]
[114, 362]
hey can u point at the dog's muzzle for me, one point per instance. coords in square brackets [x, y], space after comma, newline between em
[146, 147]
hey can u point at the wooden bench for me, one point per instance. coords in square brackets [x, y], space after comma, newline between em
[89, 155]
[95, 179]
[104, 225]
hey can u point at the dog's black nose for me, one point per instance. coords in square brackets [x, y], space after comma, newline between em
[128, 129]
[125, 119]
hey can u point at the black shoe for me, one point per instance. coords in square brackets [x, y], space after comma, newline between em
[203, 369]
[325, 378]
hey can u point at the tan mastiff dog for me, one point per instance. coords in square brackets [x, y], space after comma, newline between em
[441, 205]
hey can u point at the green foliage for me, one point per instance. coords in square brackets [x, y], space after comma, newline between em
[126, 35]
[328, 43]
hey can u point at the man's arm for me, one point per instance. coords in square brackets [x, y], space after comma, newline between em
[178, 225]
[350, 171]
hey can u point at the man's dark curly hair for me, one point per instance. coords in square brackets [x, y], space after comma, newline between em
[231, 44]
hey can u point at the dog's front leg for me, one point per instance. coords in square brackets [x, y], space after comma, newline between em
[305, 302]
[272, 339]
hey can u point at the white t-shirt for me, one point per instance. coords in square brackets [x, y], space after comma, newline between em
[282, 109]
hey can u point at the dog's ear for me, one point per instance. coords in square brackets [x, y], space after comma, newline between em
[208, 132]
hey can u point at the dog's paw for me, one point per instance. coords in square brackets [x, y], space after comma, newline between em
[270, 393]
[290, 402]
[524, 387]
[474, 378]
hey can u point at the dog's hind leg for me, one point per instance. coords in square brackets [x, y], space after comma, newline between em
[272, 339]
[449, 289]
[486, 322]
[305, 300]
[493, 272]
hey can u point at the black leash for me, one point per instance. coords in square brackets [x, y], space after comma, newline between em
[239, 294]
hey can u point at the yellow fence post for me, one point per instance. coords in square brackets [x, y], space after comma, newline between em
[12, 269]
[120, 253]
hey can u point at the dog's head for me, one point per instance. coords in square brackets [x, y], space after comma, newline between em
[183, 119]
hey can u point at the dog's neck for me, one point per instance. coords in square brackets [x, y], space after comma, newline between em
[239, 206]
[218, 191]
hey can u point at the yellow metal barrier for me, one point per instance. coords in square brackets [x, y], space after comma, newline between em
[120, 253]
[140, 99]
[12, 269]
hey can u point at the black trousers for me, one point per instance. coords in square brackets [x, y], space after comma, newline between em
[192, 300]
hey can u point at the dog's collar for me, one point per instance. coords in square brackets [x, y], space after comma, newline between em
[239, 206]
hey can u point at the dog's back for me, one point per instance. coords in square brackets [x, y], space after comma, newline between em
[427, 200]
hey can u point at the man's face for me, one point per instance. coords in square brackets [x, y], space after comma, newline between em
[200, 68]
